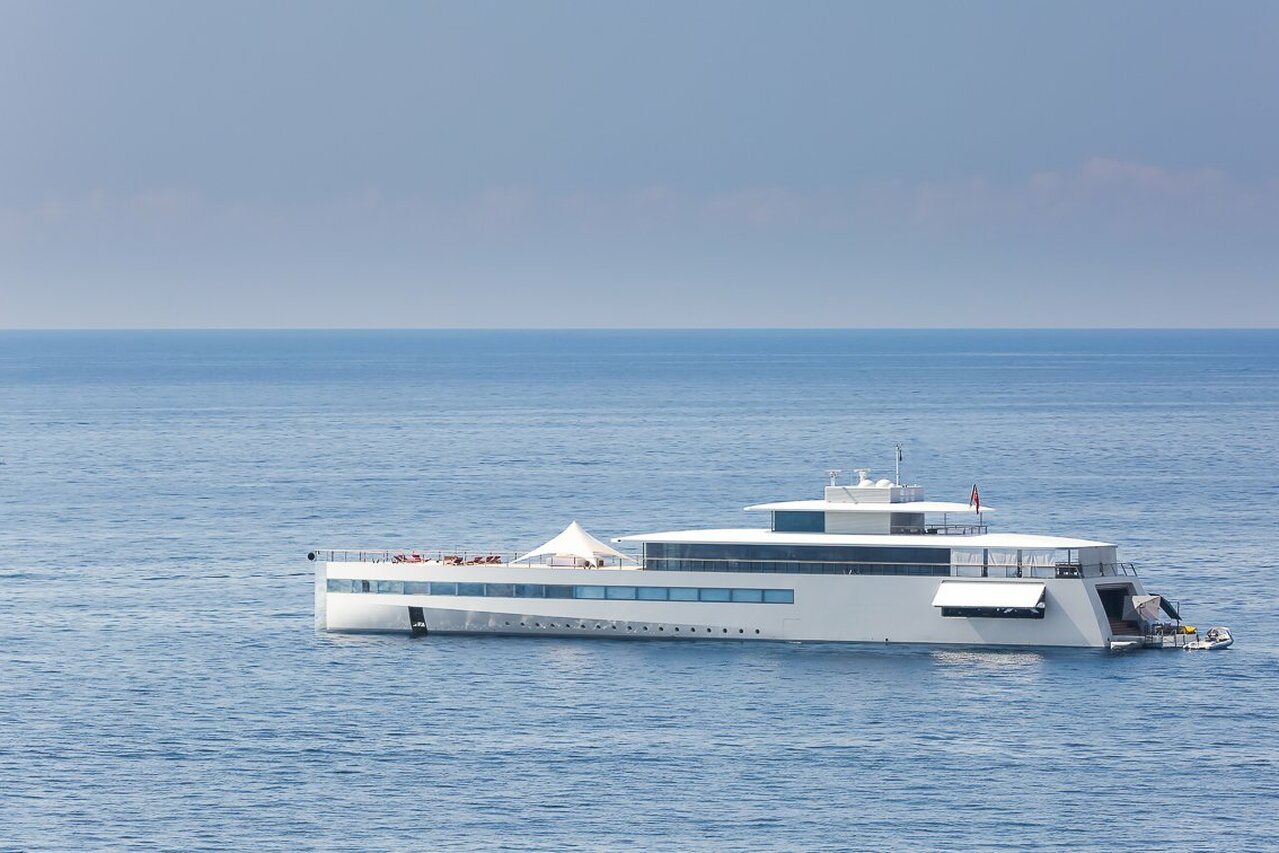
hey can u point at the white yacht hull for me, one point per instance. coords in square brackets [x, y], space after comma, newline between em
[825, 608]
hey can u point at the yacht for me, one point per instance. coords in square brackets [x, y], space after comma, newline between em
[871, 561]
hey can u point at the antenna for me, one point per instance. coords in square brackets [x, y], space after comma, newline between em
[897, 476]
[833, 474]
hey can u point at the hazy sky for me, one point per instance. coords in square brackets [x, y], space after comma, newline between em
[532, 164]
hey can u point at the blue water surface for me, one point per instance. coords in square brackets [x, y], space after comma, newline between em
[162, 685]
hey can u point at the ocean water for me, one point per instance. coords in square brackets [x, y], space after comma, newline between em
[162, 685]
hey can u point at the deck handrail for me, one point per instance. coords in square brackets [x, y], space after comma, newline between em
[447, 556]
[482, 556]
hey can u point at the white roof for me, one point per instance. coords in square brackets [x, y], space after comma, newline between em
[848, 506]
[574, 541]
[759, 536]
[988, 594]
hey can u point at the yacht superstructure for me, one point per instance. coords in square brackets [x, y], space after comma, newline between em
[873, 561]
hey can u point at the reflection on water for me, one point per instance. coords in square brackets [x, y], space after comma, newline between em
[162, 683]
[970, 660]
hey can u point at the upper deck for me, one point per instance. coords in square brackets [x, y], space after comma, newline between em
[760, 536]
[880, 507]
[874, 527]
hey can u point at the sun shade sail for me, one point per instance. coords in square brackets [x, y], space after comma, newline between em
[984, 594]
[576, 543]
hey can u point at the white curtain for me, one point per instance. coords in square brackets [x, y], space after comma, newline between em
[1042, 557]
[966, 561]
[1003, 557]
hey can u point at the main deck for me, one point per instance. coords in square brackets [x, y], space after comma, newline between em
[870, 562]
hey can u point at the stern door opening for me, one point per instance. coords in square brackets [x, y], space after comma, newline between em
[1112, 601]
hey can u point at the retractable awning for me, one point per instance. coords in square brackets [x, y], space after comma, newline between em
[972, 594]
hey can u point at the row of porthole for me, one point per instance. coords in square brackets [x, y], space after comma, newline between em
[599, 626]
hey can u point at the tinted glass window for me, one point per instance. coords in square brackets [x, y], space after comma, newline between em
[470, 589]
[786, 521]
[806, 559]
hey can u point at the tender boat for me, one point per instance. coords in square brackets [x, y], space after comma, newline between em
[869, 561]
[1213, 639]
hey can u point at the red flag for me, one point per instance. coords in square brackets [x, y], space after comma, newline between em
[975, 499]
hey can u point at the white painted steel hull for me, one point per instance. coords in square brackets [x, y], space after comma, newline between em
[826, 608]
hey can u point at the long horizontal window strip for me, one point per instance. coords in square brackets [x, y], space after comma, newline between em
[796, 559]
[666, 564]
[798, 553]
[601, 593]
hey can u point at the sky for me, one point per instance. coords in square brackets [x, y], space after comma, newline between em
[646, 164]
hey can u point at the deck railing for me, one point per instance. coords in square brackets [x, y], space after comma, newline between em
[442, 556]
[853, 567]
[1056, 570]
[938, 529]
[459, 556]
[484, 556]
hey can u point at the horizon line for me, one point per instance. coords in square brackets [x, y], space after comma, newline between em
[54, 329]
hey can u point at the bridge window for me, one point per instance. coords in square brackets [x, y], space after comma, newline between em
[790, 521]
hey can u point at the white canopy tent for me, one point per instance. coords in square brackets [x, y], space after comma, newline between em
[577, 545]
[1145, 607]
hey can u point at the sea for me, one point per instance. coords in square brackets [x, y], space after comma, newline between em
[163, 685]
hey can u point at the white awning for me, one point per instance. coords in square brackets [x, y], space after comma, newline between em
[575, 543]
[1145, 607]
[989, 594]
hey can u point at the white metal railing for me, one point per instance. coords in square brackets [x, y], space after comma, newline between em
[453, 556]
[1059, 570]
[440, 556]
[488, 556]
[939, 529]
